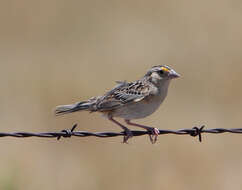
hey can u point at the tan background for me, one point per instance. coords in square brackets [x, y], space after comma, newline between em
[58, 52]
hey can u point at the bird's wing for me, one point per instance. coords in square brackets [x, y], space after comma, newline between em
[125, 93]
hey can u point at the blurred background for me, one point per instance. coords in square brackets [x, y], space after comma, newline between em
[59, 52]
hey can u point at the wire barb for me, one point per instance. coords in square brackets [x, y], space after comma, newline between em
[197, 132]
[67, 133]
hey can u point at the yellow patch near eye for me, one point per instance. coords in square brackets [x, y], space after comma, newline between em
[165, 69]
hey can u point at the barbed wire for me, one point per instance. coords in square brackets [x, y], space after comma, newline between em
[194, 132]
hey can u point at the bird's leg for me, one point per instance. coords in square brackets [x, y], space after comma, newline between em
[128, 133]
[154, 131]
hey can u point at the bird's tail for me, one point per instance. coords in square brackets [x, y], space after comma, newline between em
[64, 109]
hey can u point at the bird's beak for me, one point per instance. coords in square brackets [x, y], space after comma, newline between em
[173, 74]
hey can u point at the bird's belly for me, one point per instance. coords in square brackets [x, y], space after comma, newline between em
[137, 110]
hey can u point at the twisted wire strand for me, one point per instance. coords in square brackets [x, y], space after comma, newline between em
[194, 132]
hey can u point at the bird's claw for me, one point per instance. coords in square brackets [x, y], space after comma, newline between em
[154, 134]
[128, 134]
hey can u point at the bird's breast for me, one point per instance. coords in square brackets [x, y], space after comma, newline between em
[140, 109]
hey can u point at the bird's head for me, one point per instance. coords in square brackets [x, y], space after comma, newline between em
[161, 73]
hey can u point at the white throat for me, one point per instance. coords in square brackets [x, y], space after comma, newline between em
[162, 86]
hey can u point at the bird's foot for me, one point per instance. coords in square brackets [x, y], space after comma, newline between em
[128, 134]
[154, 132]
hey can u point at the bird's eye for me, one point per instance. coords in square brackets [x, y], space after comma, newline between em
[161, 72]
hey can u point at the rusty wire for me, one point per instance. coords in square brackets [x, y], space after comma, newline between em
[194, 132]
